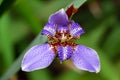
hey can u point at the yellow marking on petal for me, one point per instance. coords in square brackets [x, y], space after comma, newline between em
[64, 38]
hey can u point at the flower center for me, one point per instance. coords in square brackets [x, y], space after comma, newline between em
[63, 38]
[55, 45]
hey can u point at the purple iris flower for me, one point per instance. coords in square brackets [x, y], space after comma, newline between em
[61, 32]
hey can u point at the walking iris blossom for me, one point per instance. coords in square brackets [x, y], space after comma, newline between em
[60, 32]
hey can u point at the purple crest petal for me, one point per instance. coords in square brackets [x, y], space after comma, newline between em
[59, 18]
[38, 57]
[76, 30]
[62, 29]
[64, 53]
[86, 59]
[49, 29]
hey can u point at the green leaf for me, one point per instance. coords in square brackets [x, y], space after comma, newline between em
[6, 42]
[78, 3]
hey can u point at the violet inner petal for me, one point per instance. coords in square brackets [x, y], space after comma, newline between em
[75, 29]
[59, 18]
[62, 29]
[64, 53]
[49, 29]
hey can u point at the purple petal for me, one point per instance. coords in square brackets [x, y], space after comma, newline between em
[62, 29]
[76, 30]
[64, 53]
[49, 29]
[38, 57]
[59, 18]
[86, 59]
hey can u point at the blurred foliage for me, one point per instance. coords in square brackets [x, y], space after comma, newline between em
[22, 20]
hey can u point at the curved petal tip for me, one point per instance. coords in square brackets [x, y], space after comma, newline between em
[24, 68]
